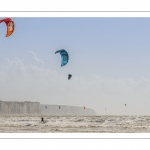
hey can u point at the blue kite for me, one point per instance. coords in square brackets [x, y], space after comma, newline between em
[64, 56]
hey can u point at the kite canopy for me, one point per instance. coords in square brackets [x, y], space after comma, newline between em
[10, 26]
[64, 56]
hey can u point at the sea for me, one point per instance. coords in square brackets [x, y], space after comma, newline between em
[74, 124]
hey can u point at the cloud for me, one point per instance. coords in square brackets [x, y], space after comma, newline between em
[28, 80]
[31, 59]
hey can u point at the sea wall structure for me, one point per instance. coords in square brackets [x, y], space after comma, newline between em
[35, 108]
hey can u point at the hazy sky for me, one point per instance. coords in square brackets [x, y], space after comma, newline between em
[109, 61]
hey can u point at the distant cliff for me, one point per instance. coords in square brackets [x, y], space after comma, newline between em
[19, 107]
[62, 110]
[34, 108]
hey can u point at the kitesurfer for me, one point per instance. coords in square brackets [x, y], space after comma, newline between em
[42, 119]
[69, 76]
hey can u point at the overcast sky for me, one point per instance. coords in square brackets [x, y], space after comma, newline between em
[109, 61]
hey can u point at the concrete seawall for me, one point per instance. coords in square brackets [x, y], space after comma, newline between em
[35, 108]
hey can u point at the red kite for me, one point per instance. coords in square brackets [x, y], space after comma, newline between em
[10, 26]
